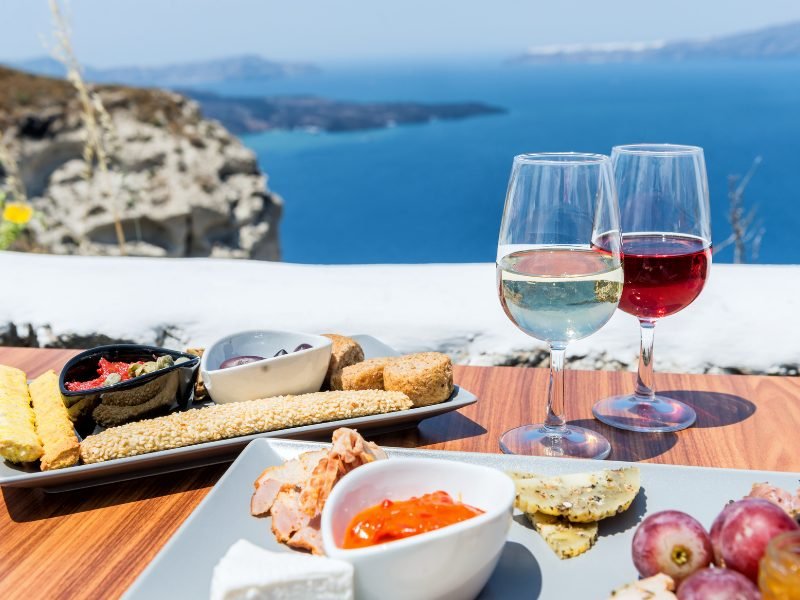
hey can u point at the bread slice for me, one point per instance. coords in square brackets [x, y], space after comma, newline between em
[345, 352]
[426, 378]
[366, 375]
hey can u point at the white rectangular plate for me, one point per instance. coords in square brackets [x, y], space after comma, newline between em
[527, 568]
[210, 453]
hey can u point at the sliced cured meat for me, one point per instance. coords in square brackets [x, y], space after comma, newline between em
[779, 496]
[354, 449]
[295, 492]
[308, 538]
[348, 451]
[287, 518]
[291, 473]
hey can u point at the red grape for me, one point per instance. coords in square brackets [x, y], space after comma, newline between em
[716, 529]
[673, 543]
[717, 584]
[747, 529]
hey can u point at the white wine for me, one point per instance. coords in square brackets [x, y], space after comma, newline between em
[559, 294]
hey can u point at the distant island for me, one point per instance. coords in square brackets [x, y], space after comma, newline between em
[776, 42]
[246, 67]
[249, 115]
[265, 113]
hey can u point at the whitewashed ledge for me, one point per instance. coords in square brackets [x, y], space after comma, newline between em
[745, 320]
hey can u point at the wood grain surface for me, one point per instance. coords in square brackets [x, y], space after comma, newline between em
[93, 543]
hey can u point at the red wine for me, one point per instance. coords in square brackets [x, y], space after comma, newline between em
[664, 273]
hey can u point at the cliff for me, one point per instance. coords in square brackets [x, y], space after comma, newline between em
[245, 67]
[252, 114]
[184, 187]
[248, 115]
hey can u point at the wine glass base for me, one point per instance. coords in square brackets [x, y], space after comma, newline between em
[572, 442]
[630, 412]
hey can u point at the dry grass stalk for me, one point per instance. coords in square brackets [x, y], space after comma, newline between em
[746, 230]
[13, 180]
[101, 138]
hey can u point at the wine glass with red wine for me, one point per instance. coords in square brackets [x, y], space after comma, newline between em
[666, 248]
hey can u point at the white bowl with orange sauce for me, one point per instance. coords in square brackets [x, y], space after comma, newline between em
[453, 562]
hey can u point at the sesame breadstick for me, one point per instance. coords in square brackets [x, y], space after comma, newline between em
[222, 421]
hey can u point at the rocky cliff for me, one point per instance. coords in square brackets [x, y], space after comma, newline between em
[184, 185]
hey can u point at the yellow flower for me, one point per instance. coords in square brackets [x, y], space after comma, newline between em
[17, 213]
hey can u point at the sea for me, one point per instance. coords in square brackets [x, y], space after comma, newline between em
[434, 192]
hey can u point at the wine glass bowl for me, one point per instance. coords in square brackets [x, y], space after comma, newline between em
[559, 277]
[666, 247]
[665, 273]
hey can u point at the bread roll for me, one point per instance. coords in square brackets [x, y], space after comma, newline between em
[366, 375]
[345, 352]
[426, 378]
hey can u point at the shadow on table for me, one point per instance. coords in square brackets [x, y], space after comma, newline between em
[630, 445]
[714, 409]
[30, 504]
[443, 428]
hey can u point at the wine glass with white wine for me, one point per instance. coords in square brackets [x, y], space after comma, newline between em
[559, 277]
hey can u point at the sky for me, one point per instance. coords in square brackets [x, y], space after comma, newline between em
[149, 32]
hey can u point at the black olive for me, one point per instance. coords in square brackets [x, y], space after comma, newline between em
[239, 360]
[302, 347]
[281, 352]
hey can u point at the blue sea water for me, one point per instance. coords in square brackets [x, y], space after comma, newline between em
[435, 192]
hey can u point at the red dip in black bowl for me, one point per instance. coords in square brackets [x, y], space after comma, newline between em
[94, 399]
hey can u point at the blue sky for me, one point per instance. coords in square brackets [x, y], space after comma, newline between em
[116, 32]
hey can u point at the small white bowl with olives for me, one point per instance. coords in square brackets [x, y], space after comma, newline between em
[263, 363]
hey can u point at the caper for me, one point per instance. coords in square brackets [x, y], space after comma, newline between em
[111, 379]
[149, 367]
[162, 362]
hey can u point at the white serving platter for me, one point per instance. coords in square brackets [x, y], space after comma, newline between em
[527, 568]
[222, 451]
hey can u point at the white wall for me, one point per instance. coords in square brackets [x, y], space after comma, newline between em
[747, 317]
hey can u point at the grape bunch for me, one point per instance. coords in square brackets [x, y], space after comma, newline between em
[721, 564]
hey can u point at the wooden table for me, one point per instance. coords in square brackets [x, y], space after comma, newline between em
[93, 543]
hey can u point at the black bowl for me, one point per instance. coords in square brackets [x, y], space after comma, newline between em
[137, 398]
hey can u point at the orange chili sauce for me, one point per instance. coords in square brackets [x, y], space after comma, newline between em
[395, 520]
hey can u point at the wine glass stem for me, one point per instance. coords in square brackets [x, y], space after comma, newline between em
[555, 391]
[644, 380]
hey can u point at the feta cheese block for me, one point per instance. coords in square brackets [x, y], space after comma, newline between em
[248, 572]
